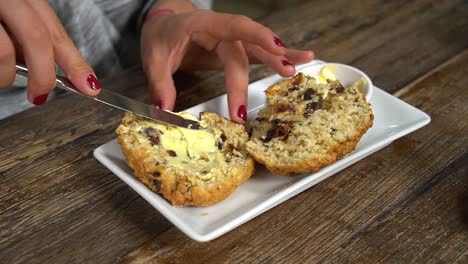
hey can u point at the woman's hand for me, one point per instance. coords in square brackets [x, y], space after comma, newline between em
[31, 31]
[202, 39]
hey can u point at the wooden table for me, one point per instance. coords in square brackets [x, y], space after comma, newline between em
[406, 203]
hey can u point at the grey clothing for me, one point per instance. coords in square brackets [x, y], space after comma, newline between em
[104, 31]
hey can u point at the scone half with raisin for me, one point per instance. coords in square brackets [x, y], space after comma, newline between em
[188, 167]
[307, 125]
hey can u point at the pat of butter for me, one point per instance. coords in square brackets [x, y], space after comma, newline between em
[329, 73]
[360, 85]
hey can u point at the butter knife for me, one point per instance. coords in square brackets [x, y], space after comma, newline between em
[123, 103]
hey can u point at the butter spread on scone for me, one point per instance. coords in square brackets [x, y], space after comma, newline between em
[308, 123]
[188, 144]
[188, 167]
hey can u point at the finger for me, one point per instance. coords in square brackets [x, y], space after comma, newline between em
[279, 64]
[7, 59]
[235, 27]
[236, 75]
[299, 56]
[161, 84]
[66, 54]
[32, 35]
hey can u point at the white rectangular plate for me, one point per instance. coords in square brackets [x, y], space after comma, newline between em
[393, 119]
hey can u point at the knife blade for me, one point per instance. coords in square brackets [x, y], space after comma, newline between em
[123, 103]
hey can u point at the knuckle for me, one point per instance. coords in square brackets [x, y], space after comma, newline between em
[79, 66]
[40, 35]
[191, 19]
[238, 22]
[59, 36]
[241, 20]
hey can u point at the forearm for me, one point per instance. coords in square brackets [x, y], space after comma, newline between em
[179, 6]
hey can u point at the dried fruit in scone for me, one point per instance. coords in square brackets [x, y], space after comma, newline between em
[308, 125]
[188, 167]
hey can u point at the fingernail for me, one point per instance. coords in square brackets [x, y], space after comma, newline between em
[287, 63]
[242, 113]
[93, 83]
[278, 42]
[41, 99]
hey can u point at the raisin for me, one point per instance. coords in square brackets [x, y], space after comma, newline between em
[156, 185]
[156, 174]
[276, 121]
[172, 153]
[223, 137]
[339, 88]
[152, 135]
[282, 130]
[315, 105]
[228, 149]
[260, 119]
[220, 145]
[279, 130]
[280, 108]
[336, 85]
[308, 94]
[150, 132]
[269, 136]
[294, 88]
[250, 132]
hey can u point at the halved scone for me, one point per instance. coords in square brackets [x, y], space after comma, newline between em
[308, 125]
[188, 167]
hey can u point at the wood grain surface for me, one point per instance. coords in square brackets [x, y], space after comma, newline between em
[405, 203]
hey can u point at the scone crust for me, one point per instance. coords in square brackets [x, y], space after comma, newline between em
[333, 149]
[176, 186]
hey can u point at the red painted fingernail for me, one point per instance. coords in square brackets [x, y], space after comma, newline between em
[41, 99]
[242, 113]
[287, 63]
[278, 42]
[93, 83]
